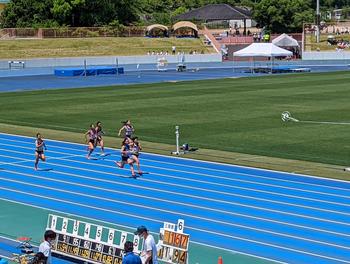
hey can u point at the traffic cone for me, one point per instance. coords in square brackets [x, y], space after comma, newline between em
[220, 260]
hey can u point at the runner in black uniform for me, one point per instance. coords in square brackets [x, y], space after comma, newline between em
[127, 128]
[136, 152]
[126, 156]
[90, 137]
[39, 150]
[99, 139]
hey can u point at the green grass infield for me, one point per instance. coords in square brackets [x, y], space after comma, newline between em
[218, 116]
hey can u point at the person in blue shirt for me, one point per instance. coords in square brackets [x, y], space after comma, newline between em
[130, 257]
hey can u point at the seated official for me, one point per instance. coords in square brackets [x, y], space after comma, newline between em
[130, 257]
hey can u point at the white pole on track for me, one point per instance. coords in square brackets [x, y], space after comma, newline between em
[177, 135]
[85, 67]
[117, 65]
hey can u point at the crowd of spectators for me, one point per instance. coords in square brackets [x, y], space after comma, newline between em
[340, 43]
[343, 44]
[165, 53]
[257, 36]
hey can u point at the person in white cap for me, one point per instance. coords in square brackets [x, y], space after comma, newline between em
[149, 248]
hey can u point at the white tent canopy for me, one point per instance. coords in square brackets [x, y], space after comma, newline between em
[285, 41]
[262, 50]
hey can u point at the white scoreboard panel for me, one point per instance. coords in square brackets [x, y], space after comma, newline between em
[91, 243]
[173, 243]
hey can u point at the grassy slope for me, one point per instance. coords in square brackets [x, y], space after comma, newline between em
[234, 115]
[312, 45]
[75, 47]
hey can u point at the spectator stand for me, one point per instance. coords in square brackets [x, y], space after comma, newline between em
[157, 30]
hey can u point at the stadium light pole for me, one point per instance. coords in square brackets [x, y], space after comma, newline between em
[317, 21]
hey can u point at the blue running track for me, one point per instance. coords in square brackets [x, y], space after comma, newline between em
[283, 217]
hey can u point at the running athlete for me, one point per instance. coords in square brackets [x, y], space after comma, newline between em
[90, 137]
[99, 139]
[136, 148]
[127, 128]
[126, 156]
[39, 150]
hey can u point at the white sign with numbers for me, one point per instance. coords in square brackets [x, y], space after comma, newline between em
[91, 243]
[173, 243]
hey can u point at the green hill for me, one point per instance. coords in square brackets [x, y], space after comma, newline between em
[77, 47]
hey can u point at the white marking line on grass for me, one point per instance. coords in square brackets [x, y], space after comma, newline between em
[189, 187]
[188, 227]
[218, 184]
[180, 203]
[132, 228]
[203, 161]
[229, 172]
[193, 196]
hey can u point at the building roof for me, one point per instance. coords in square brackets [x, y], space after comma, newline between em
[4, 1]
[183, 24]
[216, 12]
[244, 10]
[159, 26]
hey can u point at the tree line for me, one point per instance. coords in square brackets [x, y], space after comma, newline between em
[275, 15]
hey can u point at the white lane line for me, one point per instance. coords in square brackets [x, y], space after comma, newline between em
[178, 203]
[132, 228]
[193, 196]
[176, 213]
[214, 170]
[231, 179]
[188, 227]
[213, 191]
[281, 247]
[201, 161]
[205, 183]
[247, 181]
[27, 160]
[251, 176]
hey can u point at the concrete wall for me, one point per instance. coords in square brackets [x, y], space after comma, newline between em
[331, 55]
[111, 60]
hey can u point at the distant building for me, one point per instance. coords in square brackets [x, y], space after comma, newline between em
[3, 3]
[235, 17]
[338, 14]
